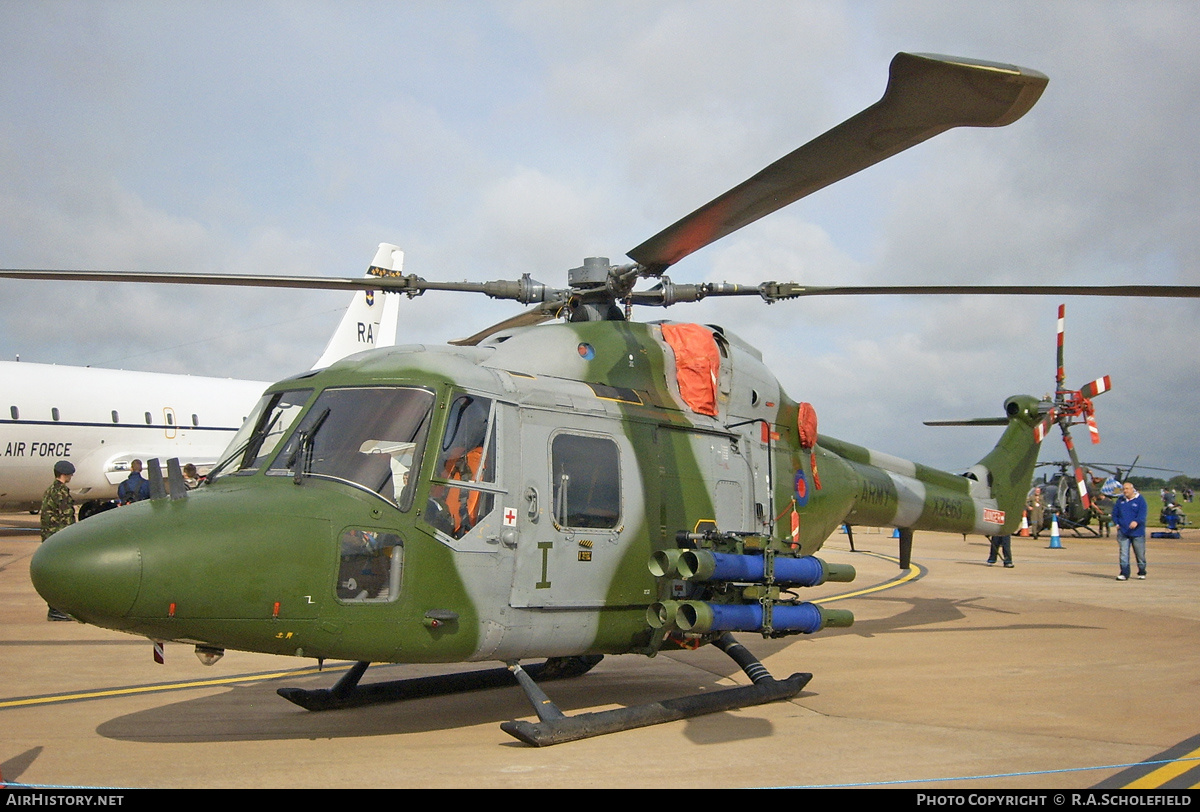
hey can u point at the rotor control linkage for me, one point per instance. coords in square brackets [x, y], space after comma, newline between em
[556, 729]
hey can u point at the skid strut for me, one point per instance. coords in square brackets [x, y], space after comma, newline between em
[554, 727]
[347, 693]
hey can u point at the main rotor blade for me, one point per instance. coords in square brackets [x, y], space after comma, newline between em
[534, 315]
[524, 290]
[777, 291]
[926, 94]
[237, 280]
[970, 421]
[527, 291]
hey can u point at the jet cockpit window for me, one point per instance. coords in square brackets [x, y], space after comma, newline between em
[586, 481]
[369, 436]
[269, 421]
[369, 566]
[467, 454]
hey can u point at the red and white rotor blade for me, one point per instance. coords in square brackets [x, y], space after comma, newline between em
[1096, 387]
[1059, 374]
[1081, 485]
[1042, 429]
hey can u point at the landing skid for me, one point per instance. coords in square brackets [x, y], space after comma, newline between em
[554, 727]
[1080, 530]
[347, 693]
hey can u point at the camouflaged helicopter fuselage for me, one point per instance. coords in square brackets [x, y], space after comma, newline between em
[597, 462]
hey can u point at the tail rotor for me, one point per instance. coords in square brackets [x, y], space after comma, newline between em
[1071, 407]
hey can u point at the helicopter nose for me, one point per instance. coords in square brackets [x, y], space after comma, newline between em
[90, 576]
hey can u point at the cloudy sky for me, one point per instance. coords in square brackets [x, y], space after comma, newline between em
[494, 139]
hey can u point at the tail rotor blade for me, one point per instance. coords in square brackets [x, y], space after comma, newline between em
[1080, 484]
[1096, 387]
[1042, 429]
[1070, 444]
[1060, 375]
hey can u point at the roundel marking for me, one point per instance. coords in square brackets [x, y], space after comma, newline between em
[801, 485]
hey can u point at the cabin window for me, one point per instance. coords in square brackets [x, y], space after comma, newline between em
[466, 454]
[116, 417]
[16, 414]
[170, 419]
[54, 413]
[368, 437]
[586, 481]
[369, 566]
[149, 419]
[195, 420]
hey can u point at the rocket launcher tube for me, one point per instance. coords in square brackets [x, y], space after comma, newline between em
[702, 617]
[665, 563]
[705, 565]
[662, 614]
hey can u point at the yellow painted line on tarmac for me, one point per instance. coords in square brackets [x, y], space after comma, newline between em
[1156, 778]
[105, 693]
[912, 574]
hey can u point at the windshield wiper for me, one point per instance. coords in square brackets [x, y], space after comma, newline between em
[243, 451]
[304, 448]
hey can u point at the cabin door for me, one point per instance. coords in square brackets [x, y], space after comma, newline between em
[573, 509]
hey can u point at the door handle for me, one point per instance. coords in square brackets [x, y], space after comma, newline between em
[531, 496]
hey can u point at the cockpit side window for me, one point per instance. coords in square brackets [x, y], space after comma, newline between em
[466, 454]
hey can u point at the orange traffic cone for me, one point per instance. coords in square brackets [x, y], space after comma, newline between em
[1024, 531]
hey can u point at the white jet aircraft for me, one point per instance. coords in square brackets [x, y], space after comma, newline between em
[102, 419]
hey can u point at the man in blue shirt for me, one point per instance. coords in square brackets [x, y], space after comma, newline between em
[1129, 515]
[136, 487]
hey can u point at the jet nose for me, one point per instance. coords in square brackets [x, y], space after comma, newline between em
[91, 576]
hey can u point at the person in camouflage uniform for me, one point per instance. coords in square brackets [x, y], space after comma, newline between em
[57, 512]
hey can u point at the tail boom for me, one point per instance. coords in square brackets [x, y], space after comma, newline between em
[987, 499]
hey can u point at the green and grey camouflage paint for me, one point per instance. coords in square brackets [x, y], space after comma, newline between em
[250, 561]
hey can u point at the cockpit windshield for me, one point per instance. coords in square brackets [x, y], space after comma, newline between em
[369, 436]
[268, 423]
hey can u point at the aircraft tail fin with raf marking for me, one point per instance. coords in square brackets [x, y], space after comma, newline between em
[371, 319]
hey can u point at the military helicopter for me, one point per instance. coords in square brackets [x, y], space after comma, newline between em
[1061, 494]
[1120, 472]
[567, 490]
[1061, 500]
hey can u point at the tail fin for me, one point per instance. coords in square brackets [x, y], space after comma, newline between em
[371, 319]
[1008, 468]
